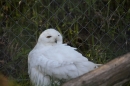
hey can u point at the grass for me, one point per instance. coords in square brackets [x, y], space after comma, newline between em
[97, 28]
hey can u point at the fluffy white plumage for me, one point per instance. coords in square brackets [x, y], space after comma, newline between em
[52, 58]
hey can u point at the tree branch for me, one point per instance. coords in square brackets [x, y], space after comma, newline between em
[113, 73]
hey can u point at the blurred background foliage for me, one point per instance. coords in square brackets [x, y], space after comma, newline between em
[100, 29]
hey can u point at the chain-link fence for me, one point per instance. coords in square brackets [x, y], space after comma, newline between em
[100, 29]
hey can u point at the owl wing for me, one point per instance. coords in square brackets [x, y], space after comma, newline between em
[59, 65]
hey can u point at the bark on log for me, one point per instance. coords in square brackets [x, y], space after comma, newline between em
[113, 73]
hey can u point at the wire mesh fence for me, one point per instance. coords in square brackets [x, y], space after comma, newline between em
[100, 29]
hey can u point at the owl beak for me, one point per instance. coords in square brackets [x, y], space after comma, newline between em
[55, 40]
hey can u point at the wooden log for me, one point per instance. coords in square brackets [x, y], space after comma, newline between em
[113, 73]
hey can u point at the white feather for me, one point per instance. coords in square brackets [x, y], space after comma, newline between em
[50, 58]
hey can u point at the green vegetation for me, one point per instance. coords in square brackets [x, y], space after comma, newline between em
[100, 29]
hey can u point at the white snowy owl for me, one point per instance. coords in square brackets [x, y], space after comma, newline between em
[51, 58]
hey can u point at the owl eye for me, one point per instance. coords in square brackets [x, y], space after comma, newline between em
[48, 36]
